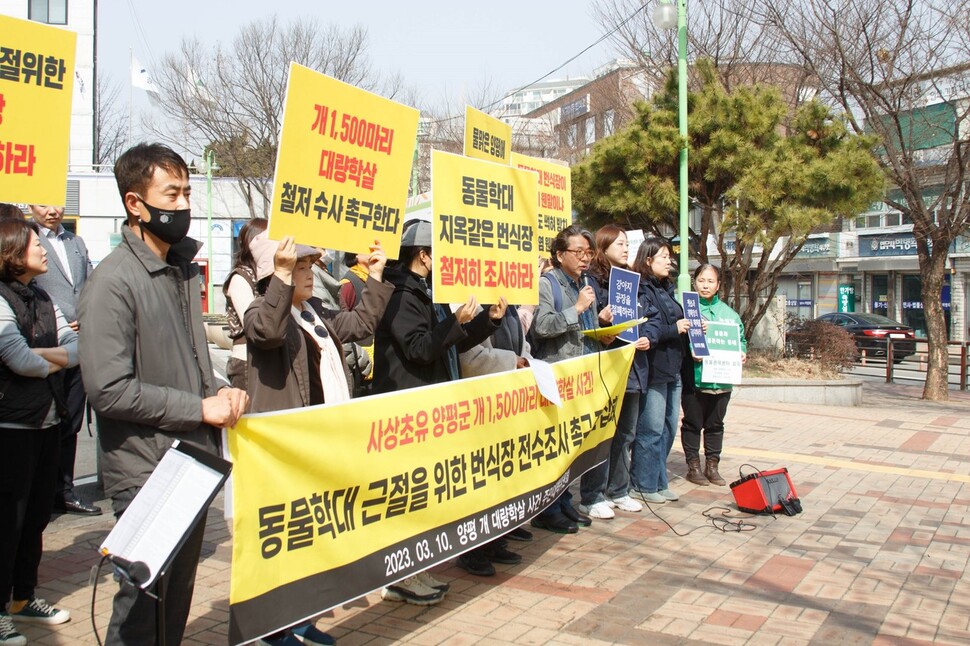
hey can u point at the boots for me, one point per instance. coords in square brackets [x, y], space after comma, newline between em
[694, 473]
[710, 470]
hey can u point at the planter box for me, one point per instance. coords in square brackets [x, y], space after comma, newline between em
[834, 392]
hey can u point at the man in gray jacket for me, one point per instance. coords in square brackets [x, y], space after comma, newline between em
[146, 366]
[68, 268]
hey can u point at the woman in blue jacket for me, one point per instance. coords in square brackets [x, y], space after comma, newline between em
[657, 425]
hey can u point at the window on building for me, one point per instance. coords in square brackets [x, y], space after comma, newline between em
[875, 220]
[609, 118]
[53, 12]
[590, 131]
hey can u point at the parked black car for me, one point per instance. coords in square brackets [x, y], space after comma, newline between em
[871, 332]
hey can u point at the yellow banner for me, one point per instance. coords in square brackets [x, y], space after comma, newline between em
[333, 502]
[343, 165]
[36, 86]
[484, 227]
[486, 137]
[555, 197]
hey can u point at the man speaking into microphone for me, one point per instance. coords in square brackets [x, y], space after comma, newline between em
[568, 304]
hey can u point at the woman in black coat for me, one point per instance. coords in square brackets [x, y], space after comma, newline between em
[657, 427]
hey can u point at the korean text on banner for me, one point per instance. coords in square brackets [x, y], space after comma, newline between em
[723, 364]
[624, 286]
[333, 502]
[484, 227]
[486, 137]
[555, 197]
[36, 87]
[695, 333]
[343, 165]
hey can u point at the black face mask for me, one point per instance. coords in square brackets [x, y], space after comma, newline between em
[168, 226]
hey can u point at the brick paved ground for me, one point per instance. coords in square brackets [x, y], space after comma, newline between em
[878, 557]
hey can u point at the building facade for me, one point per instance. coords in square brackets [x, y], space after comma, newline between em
[79, 16]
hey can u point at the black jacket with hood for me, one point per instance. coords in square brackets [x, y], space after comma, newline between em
[411, 345]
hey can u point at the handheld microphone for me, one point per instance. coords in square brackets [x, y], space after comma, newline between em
[135, 571]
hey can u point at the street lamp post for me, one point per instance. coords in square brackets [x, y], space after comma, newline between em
[209, 167]
[666, 16]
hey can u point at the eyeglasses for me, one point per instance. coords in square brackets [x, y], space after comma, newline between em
[319, 329]
[580, 254]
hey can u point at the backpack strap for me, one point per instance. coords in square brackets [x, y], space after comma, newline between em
[556, 291]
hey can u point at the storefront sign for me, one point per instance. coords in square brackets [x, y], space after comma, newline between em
[572, 110]
[846, 298]
[817, 248]
[890, 244]
[798, 302]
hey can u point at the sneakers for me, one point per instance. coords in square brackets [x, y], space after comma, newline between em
[8, 633]
[38, 611]
[412, 591]
[599, 510]
[654, 497]
[626, 503]
[475, 563]
[669, 495]
[309, 634]
[428, 580]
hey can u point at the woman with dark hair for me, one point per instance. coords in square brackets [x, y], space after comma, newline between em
[664, 328]
[36, 343]
[607, 487]
[705, 404]
[240, 290]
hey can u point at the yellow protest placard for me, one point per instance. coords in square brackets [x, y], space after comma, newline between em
[335, 501]
[343, 165]
[36, 86]
[483, 227]
[486, 137]
[555, 197]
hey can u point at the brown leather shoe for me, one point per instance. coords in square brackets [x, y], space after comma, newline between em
[710, 470]
[694, 473]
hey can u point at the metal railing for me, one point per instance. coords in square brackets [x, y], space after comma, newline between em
[918, 362]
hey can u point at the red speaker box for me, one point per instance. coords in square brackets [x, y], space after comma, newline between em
[766, 492]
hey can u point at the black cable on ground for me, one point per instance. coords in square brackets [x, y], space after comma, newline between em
[96, 574]
[723, 522]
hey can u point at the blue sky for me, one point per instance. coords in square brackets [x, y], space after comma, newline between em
[441, 48]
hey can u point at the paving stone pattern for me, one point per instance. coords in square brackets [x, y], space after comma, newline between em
[879, 556]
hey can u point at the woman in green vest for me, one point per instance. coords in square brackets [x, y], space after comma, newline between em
[705, 404]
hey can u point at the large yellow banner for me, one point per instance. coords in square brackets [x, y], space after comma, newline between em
[333, 502]
[484, 227]
[343, 165]
[555, 197]
[36, 86]
[486, 137]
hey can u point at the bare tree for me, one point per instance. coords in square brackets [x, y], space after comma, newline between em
[728, 33]
[884, 63]
[110, 122]
[230, 98]
[443, 126]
